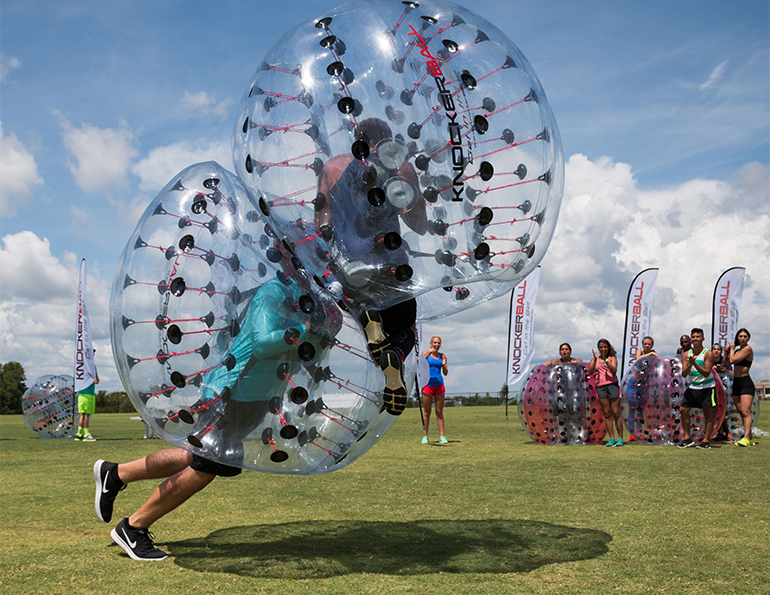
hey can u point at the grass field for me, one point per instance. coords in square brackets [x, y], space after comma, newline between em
[491, 512]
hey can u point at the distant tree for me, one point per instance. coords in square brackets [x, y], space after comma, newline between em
[504, 391]
[12, 387]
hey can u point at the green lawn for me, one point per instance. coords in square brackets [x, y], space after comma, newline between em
[491, 512]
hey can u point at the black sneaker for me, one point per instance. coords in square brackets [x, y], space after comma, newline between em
[704, 445]
[394, 394]
[137, 542]
[108, 485]
[686, 443]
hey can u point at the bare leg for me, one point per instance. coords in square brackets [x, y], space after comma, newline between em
[163, 463]
[427, 402]
[170, 494]
[616, 415]
[685, 413]
[708, 414]
[607, 411]
[84, 417]
[744, 408]
[440, 414]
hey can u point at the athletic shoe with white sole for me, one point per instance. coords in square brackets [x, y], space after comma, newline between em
[137, 542]
[108, 485]
[375, 336]
[394, 394]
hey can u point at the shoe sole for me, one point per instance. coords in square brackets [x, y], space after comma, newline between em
[375, 336]
[117, 539]
[394, 393]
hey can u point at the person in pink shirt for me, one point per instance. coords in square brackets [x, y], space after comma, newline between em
[604, 366]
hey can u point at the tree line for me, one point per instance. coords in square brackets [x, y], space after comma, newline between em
[13, 386]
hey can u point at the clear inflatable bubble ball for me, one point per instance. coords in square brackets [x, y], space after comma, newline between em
[651, 392]
[559, 405]
[50, 407]
[226, 345]
[403, 149]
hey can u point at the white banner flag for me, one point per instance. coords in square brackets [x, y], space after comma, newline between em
[85, 368]
[521, 327]
[641, 298]
[728, 295]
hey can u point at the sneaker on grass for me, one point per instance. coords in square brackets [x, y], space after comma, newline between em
[703, 445]
[108, 485]
[686, 443]
[137, 542]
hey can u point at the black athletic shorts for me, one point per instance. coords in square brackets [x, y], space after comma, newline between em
[700, 398]
[608, 391]
[743, 386]
[212, 468]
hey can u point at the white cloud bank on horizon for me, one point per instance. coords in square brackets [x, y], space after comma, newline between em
[608, 231]
[38, 295]
[18, 171]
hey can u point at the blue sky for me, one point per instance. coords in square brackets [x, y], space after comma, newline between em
[664, 112]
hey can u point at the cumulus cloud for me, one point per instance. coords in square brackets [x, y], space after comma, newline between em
[715, 76]
[7, 65]
[163, 163]
[202, 103]
[18, 170]
[38, 294]
[99, 157]
[609, 230]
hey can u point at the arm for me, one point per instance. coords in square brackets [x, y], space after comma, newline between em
[708, 363]
[731, 357]
[444, 368]
[592, 365]
[639, 353]
[686, 365]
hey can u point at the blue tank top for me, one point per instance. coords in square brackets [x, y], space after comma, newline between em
[434, 365]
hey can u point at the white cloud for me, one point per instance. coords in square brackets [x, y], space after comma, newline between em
[7, 65]
[608, 231]
[18, 171]
[100, 157]
[204, 104]
[38, 294]
[715, 76]
[129, 211]
[163, 163]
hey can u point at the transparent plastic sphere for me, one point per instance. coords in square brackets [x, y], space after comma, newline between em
[732, 415]
[559, 405]
[403, 149]
[50, 407]
[228, 348]
[651, 393]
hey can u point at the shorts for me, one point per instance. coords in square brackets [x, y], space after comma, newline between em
[608, 391]
[436, 390]
[213, 468]
[699, 398]
[86, 404]
[743, 386]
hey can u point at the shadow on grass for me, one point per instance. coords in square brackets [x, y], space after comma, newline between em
[323, 549]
